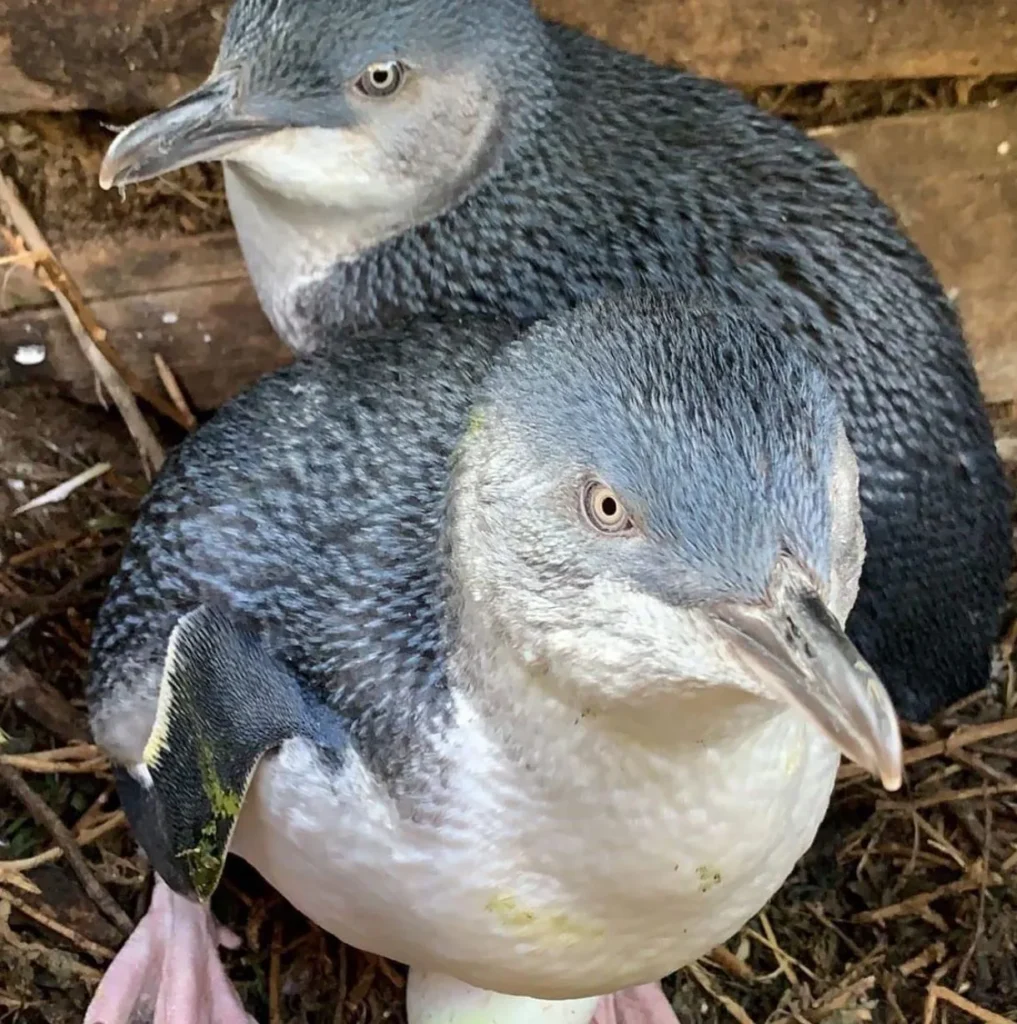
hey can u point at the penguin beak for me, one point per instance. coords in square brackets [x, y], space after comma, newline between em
[203, 125]
[795, 647]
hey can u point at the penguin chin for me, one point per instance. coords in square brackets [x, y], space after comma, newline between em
[384, 160]
[336, 168]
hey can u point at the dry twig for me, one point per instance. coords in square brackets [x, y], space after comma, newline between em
[40, 700]
[169, 382]
[64, 490]
[704, 982]
[274, 975]
[113, 821]
[727, 961]
[963, 736]
[783, 962]
[946, 796]
[920, 903]
[90, 947]
[938, 992]
[89, 335]
[42, 813]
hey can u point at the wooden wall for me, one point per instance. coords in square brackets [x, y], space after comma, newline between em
[950, 175]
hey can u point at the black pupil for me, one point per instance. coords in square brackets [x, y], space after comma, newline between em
[381, 76]
[609, 507]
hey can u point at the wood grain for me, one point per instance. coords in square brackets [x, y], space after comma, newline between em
[952, 180]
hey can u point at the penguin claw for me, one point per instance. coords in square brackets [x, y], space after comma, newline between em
[168, 971]
[645, 1004]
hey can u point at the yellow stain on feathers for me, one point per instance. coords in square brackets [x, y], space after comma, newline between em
[539, 926]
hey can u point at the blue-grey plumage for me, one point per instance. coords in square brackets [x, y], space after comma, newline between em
[517, 657]
[461, 154]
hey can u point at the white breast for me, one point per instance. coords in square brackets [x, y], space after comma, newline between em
[604, 864]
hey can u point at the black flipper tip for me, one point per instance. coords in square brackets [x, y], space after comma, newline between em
[223, 702]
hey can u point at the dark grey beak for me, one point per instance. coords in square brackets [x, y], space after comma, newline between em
[797, 649]
[203, 125]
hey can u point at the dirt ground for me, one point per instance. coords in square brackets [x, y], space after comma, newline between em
[904, 911]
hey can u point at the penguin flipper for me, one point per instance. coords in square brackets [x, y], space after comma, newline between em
[224, 701]
[169, 970]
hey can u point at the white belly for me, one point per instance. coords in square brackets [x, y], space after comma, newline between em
[615, 872]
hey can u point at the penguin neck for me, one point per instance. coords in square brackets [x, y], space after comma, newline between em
[524, 702]
[291, 246]
[315, 265]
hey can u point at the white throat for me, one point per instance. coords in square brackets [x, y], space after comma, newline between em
[289, 244]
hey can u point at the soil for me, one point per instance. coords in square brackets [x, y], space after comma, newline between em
[900, 900]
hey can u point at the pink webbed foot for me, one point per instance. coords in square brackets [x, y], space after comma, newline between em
[644, 1004]
[168, 971]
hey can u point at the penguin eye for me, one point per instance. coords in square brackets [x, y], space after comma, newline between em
[381, 79]
[604, 510]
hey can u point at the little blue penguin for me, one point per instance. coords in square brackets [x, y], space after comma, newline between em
[512, 654]
[427, 155]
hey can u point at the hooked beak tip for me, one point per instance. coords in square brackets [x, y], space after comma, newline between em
[800, 652]
[109, 170]
[107, 177]
[123, 157]
[193, 128]
[889, 749]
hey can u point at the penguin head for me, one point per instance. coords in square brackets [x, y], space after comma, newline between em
[354, 105]
[653, 501]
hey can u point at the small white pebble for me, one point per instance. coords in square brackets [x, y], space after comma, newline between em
[16, 485]
[1007, 448]
[206, 338]
[993, 104]
[1003, 148]
[170, 318]
[30, 355]
[138, 335]
[953, 294]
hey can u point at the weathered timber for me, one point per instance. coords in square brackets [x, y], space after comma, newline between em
[211, 334]
[767, 42]
[108, 54]
[120, 55]
[951, 176]
[131, 263]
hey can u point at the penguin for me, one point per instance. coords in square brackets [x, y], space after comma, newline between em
[516, 655]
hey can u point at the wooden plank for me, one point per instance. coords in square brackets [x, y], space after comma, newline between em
[952, 178]
[213, 336]
[767, 42]
[132, 54]
[131, 263]
[109, 54]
